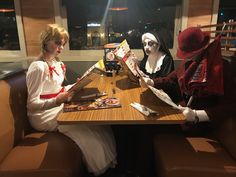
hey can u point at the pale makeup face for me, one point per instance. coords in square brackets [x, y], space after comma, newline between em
[150, 46]
[55, 47]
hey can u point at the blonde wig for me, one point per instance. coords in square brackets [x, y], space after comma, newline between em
[53, 32]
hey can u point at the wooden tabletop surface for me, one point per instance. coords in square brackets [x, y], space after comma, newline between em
[120, 86]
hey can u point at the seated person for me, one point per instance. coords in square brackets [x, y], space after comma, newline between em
[46, 97]
[203, 77]
[202, 81]
[157, 61]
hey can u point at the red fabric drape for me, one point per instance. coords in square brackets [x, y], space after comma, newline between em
[205, 77]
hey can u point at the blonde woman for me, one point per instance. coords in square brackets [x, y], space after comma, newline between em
[46, 96]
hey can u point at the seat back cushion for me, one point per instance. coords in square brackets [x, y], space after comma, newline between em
[13, 112]
[225, 126]
[6, 121]
[226, 132]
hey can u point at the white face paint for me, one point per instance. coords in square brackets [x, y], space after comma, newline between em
[150, 46]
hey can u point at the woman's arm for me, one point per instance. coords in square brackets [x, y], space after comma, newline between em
[34, 80]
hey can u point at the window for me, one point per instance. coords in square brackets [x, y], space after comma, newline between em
[12, 42]
[9, 39]
[93, 23]
[227, 14]
[227, 10]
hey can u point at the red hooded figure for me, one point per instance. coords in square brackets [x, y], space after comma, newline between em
[203, 81]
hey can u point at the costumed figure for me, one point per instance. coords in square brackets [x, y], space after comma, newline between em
[203, 78]
[46, 96]
[157, 61]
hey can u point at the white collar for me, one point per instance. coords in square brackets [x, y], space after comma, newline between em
[154, 62]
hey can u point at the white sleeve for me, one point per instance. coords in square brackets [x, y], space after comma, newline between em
[202, 116]
[34, 80]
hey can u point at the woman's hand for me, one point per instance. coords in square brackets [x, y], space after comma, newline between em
[78, 79]
[64, 97]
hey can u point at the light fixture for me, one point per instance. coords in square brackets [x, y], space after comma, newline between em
[7, 10]
[119, 5]
[93, 24]
[118, 8]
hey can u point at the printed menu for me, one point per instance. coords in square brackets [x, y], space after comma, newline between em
[100, 103]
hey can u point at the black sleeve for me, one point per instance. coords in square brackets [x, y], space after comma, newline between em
[167, 67]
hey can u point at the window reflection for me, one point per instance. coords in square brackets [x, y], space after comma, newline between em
[93, 23]
[9, 39]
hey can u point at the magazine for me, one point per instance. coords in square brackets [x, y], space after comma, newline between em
[128, 60]
[122, 50]
[100, 103]
[91, 74]
[163, 96]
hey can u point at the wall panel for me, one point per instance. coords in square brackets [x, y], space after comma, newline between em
[200, 12]
[35, 16]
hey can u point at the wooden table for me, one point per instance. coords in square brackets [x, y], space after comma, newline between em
[121, 87]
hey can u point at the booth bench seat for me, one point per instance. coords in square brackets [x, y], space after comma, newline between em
[24, 151]
[211, 152]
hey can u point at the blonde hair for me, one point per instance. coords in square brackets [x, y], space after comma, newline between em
[53, 32]
[57, 34]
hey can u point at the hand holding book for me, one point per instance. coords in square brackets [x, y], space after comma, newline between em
[64, 97]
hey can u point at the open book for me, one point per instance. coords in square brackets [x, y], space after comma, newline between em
[91, 74]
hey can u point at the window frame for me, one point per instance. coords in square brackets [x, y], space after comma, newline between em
[16, 55]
